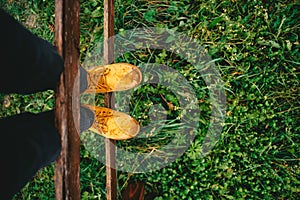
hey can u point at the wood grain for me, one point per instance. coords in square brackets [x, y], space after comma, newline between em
[110, 145]
[67, 32]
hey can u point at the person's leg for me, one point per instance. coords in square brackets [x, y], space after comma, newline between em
[28, 143]
[28, 63]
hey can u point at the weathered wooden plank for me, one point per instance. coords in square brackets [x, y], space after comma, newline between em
[67, 168]
[110, 145]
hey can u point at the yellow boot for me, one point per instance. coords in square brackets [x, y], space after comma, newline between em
[113, 124]
[114, 77]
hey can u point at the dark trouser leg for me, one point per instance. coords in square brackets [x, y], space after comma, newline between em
[28, 143]
[28, 63]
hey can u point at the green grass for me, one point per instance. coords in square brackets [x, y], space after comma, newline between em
[256, 48]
